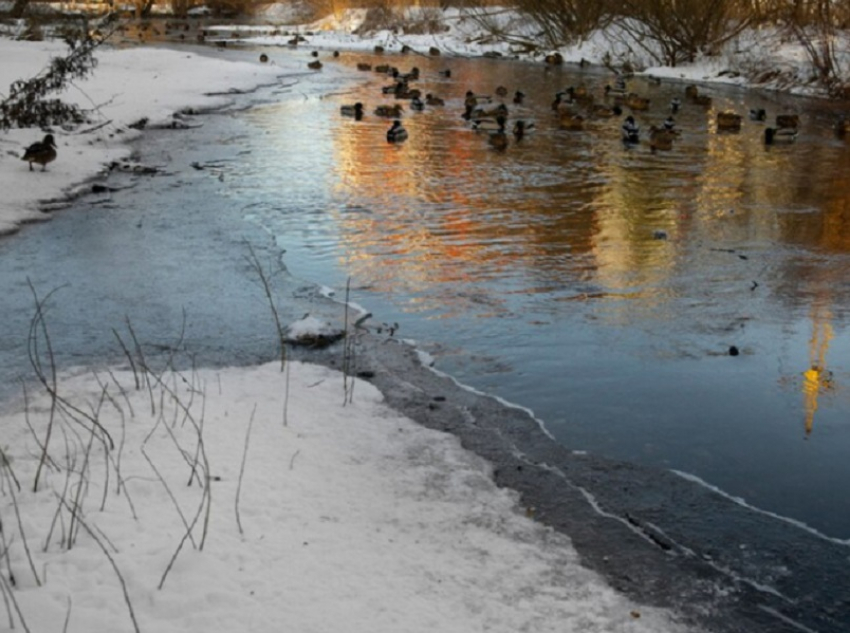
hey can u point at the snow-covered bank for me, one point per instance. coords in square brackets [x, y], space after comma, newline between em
[760, 57]
[127, 85]
[322, 516]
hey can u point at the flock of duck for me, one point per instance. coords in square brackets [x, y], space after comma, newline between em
[572, 109]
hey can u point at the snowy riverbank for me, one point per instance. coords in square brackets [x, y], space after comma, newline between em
[313, 515]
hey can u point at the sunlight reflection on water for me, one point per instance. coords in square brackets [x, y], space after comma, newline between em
[601, 287]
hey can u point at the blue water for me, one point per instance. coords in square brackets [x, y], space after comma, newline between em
[600, 287]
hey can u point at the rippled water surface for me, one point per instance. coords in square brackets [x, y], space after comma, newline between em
[602, 287]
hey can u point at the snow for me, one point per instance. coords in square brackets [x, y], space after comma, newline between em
[323, 516]
[128, 85]
[326, 512]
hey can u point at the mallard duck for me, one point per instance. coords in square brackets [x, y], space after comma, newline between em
[602, 111]
[393, 111]
[630, 130]
[498, 139]
[41, 152]
[488, 125]
[758, 114]
[728, 122]
[521, 128]
[396, 133]
[570, 121]
[355, 110]
[417, 104]
[408, 93]
[636, 102]
[773, 136]
[492, 113]
[431, 100]
[791, 121]
[413, 75]
[660, 139]
[579, 95]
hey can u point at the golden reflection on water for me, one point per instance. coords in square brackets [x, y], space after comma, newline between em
[576, 216]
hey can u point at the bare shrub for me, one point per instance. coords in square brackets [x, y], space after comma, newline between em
[675, 31]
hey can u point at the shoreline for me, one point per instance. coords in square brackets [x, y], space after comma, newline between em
[546, 488]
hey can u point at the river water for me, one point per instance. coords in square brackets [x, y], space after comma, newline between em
[600, 286]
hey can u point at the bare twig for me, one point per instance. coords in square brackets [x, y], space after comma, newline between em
[242, 470]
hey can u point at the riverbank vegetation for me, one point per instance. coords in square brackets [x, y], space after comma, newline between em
[810, 37]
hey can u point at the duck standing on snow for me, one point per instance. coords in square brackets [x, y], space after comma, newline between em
[41, 152]
[396, 134]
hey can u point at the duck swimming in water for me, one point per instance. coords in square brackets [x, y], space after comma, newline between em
[772, 136]
[355, 110]
[41, 152]
[396, 133]
[630, 130]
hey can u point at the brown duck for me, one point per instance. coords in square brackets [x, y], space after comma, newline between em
[41, 152]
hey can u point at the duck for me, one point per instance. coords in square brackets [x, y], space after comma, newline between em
[570, 121]
[602, 111]
[396, 133]
[758, 114]
[364, 66]
[660, 139]
[355, 110]
[393, 111]
[498, 139]
[636, 102]
[41, 152]
[408, 93]
[315, 65]
[488, 125]
[417, 104]
[382, 68]
[521, 128]
[492, 113]
[773, 136]
[675, 104]
[728, 122]
[580, 95]
[431, 100]
[670, 125]
[791, 121]
[413, 75]
[519, 97]
[630, 130]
